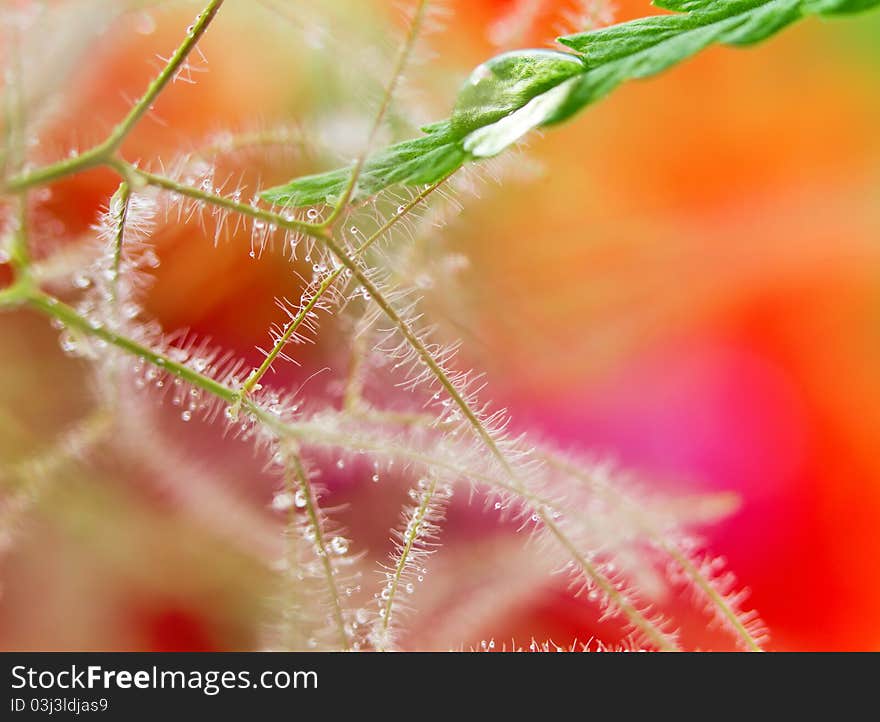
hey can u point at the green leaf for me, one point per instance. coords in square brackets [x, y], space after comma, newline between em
[513, 93]
[413, 162]
[491, 139]
[507, 82]
[840, 7]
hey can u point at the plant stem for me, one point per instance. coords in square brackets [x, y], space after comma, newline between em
[102, 153]
[54, 308]
[418, 519]
[651, 631]
[121, 199]
[323, 553]
[127, 169]
[68, 316]
[193, 35]
[303, 313]
[673, 551]
[642, 623]
[399, 65]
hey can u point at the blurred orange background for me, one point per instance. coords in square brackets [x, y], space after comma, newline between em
[691, 285]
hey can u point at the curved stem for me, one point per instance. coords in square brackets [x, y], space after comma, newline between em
[103, 152]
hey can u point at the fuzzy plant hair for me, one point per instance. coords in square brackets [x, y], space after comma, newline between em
[360, 229]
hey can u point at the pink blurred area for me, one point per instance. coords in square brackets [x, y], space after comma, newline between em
[691, 285]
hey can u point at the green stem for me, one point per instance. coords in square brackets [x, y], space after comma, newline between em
[399, 65]
[91, 158]
[19, 252]
[121, 199]
[54, 308]
[102, 153]
[252, 381]
[68, 316]
[15, 295]
[126, 169]
[311, 507]
[673, 551]
[194, 34]
[418, 519]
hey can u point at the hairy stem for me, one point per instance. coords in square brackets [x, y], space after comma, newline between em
[399, 65]
[641, 622]
[126, 169]
[655, 535]
[648, 628]
[103, 152]
[302, 479]
[412, 533]
[120, 199]
[54, 308]
[67, 315]
[328, 281]
[717, 599]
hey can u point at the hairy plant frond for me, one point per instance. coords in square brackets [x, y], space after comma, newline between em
[414, 543]
[599, 536]
[327, 562]
[714, 587]
[363, 241]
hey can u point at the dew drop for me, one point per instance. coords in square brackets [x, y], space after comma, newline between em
[282, 501]
[339, 545]
[186, 415]
[68, 343]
